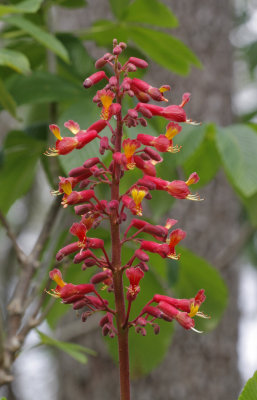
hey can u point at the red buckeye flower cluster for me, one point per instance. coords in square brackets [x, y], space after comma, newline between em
[79, 190]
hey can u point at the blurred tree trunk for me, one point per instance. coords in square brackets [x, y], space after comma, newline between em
[197, 366]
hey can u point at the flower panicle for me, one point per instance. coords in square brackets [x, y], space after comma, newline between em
[121, 155]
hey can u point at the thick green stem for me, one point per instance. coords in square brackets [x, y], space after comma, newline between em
[117, 275]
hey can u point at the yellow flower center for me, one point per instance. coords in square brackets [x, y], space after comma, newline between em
[171, 132]
[193, 310]
[66, 187]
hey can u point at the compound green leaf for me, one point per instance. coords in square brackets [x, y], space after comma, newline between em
[196, 273]
[45, 38]
[164, 49]
[15, 60]
[27, 6]
[249, 391]
[150, 12]
[237, 145]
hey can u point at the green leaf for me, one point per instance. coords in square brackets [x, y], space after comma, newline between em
[205, 160]
[118, 7]
[250, 389]
[7, 100]
[196, 273]
[237, 146]
[21, 154]
[15, 60]
[103, 32]
[164, 49]
[42, 87]
[81, 64]
[145, 352]
[85, 113]
[45, 38]
[74, 350]
[150, 12]
[27, 6]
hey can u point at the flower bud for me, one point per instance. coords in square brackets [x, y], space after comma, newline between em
[81, 256]
[66, 250]
[83, 209]
[117, 50]
[153, 154]
[100, 63]
[141, 255]
[93, 79]
[138, 62]
[101, 276]
[91, 162]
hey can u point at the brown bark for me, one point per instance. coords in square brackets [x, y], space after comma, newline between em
[197, 366]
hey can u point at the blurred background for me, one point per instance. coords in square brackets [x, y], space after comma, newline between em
[206, 48]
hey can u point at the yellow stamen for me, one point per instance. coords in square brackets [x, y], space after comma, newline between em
[51, 152]
[194, 197]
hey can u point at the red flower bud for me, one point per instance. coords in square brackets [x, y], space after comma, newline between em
[91, 162]
[101, 276]
[93, 79]
[141, 255]
[81, 256]
[138, 62]
[83, 209]
[66, 250]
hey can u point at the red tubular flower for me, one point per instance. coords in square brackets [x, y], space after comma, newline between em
[80, 230]
[130, 147]
[162, 249]
[134, 276]
[146, 166]
[95, 78]
[175, 237]
[179, 189]
[158, 231]
[97, 126]
[85, 138]
[68, 291]
[143, 86]
[94, 243]
[191, 306]
[66, 250]
[105, 97]
[67, 144]
[78, 197]
[174, 113]
[181, 317]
